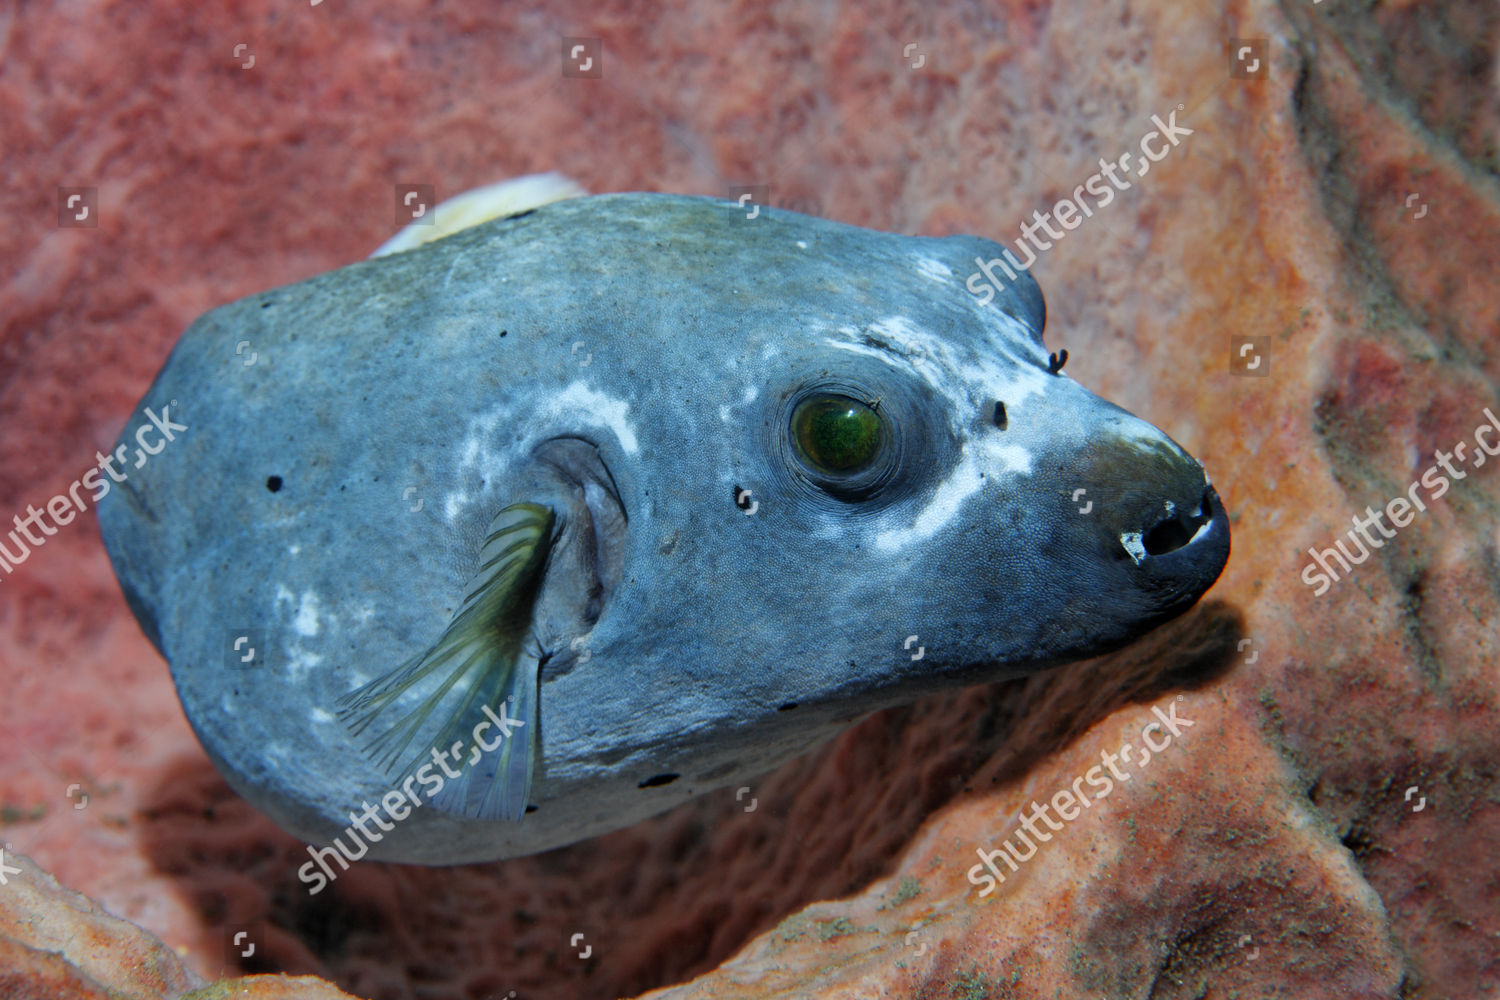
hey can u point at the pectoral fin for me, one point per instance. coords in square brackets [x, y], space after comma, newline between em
[480, 678]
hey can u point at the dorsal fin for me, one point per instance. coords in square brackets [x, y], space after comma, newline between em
[481, 204]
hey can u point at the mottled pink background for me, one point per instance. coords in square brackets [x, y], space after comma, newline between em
[1286, 215]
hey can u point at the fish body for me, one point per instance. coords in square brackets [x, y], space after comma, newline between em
[756, 477]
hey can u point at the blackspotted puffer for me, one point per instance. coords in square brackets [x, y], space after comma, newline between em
[527, 533]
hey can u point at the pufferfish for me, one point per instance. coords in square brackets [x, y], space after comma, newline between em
[537, 529]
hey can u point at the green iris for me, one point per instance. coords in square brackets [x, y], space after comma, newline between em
[836, 433]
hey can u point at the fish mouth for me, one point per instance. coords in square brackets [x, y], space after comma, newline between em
[587, 561]
[1178, 530]
[1179, 556]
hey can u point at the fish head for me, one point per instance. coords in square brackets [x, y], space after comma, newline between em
[849, 449]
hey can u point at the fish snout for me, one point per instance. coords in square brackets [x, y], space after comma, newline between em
[1166, 529]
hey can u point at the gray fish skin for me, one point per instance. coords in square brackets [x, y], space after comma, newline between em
[658, 343]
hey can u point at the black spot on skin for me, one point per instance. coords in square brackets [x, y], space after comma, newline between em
[274, 484]
[660, 779]
[1001, 420]
[787, 707]
[531, 808]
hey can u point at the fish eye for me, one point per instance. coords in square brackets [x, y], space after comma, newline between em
[837, 434]
[845, 440]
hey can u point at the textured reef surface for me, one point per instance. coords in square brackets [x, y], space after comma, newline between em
[1327, 825]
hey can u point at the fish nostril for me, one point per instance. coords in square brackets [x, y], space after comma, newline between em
[1177, 531]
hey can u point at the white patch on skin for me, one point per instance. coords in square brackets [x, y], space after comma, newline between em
[304, 615]
[300, 662]
[963, 482]
[724, 414]
[319, 716]
[769, 351]
[574, 405]
[869, 352]
[750, 393]
[801, 245]
[1133, 544]
[293, 549]
[1010, 373]
[473, 455]
[471, 450]
[306, 622]
[935, 269]
[597, 408]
